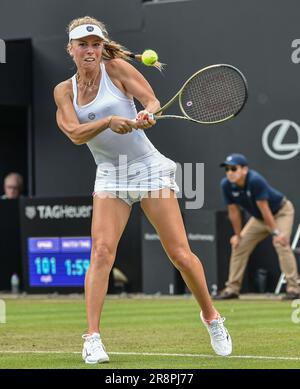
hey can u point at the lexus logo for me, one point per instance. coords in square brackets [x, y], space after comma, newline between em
[274, 139]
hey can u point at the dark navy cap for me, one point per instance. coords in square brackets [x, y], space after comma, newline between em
[235, 159]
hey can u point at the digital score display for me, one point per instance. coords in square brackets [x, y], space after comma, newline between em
[58, 261]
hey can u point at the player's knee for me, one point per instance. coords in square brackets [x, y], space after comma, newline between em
[243, 248]
[102, 255]
[181, 258]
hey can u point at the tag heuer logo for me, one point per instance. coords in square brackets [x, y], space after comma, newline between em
[30, 212]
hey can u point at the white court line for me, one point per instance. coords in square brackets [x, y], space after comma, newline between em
[156, 354]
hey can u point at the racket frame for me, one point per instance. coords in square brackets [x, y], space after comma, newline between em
[179, 93]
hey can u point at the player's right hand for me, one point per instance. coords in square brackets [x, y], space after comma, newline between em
[281, 239]
[145, 120]
[121, 125]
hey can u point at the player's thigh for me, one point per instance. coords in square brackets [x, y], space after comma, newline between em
[165, 215]
[110, 216]
[285, 219]
[254, 230]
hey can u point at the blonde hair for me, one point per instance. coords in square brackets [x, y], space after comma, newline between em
[111, 49]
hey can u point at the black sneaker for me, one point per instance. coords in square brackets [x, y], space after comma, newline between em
[226, 296]
[291, 296]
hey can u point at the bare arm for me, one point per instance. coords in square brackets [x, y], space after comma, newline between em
[268, 217]
[81, 133]
[67, 119]
[234, 214]
[134, 85]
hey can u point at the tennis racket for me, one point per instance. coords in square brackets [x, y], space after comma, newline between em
[212, 95]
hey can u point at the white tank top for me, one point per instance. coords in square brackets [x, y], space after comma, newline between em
[108, 145]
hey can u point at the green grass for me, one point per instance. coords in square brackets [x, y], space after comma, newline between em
[46, 333]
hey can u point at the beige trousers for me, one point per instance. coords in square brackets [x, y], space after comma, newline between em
[255, 231]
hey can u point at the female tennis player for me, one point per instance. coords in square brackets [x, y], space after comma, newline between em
[96, 107]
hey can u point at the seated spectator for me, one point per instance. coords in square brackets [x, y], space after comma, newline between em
[13, 186]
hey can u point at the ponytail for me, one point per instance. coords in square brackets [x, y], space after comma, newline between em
[115, 50]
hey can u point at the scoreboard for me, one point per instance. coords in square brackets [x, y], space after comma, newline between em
[58, 261]
[56, 243]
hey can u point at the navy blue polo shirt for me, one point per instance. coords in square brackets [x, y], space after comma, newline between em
[256, 188]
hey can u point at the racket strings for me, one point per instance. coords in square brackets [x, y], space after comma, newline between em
[214, 94]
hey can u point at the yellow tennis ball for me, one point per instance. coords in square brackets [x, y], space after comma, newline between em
[149, 57]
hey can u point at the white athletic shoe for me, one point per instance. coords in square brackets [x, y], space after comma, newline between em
[219, 336]
[93, 349]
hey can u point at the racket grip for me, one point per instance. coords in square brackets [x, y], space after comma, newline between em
[152, 116]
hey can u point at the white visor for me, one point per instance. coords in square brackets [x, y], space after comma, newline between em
[86, 30]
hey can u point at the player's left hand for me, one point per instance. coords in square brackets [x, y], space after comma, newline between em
[144, 120]
[281, 239]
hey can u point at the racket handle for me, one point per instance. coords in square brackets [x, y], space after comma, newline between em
[152, 116]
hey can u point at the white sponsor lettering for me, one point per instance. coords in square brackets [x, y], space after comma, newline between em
[59, 211]
[75, 244]
[46, 279]
[148, 236]
[202, 237]
[44, 244]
